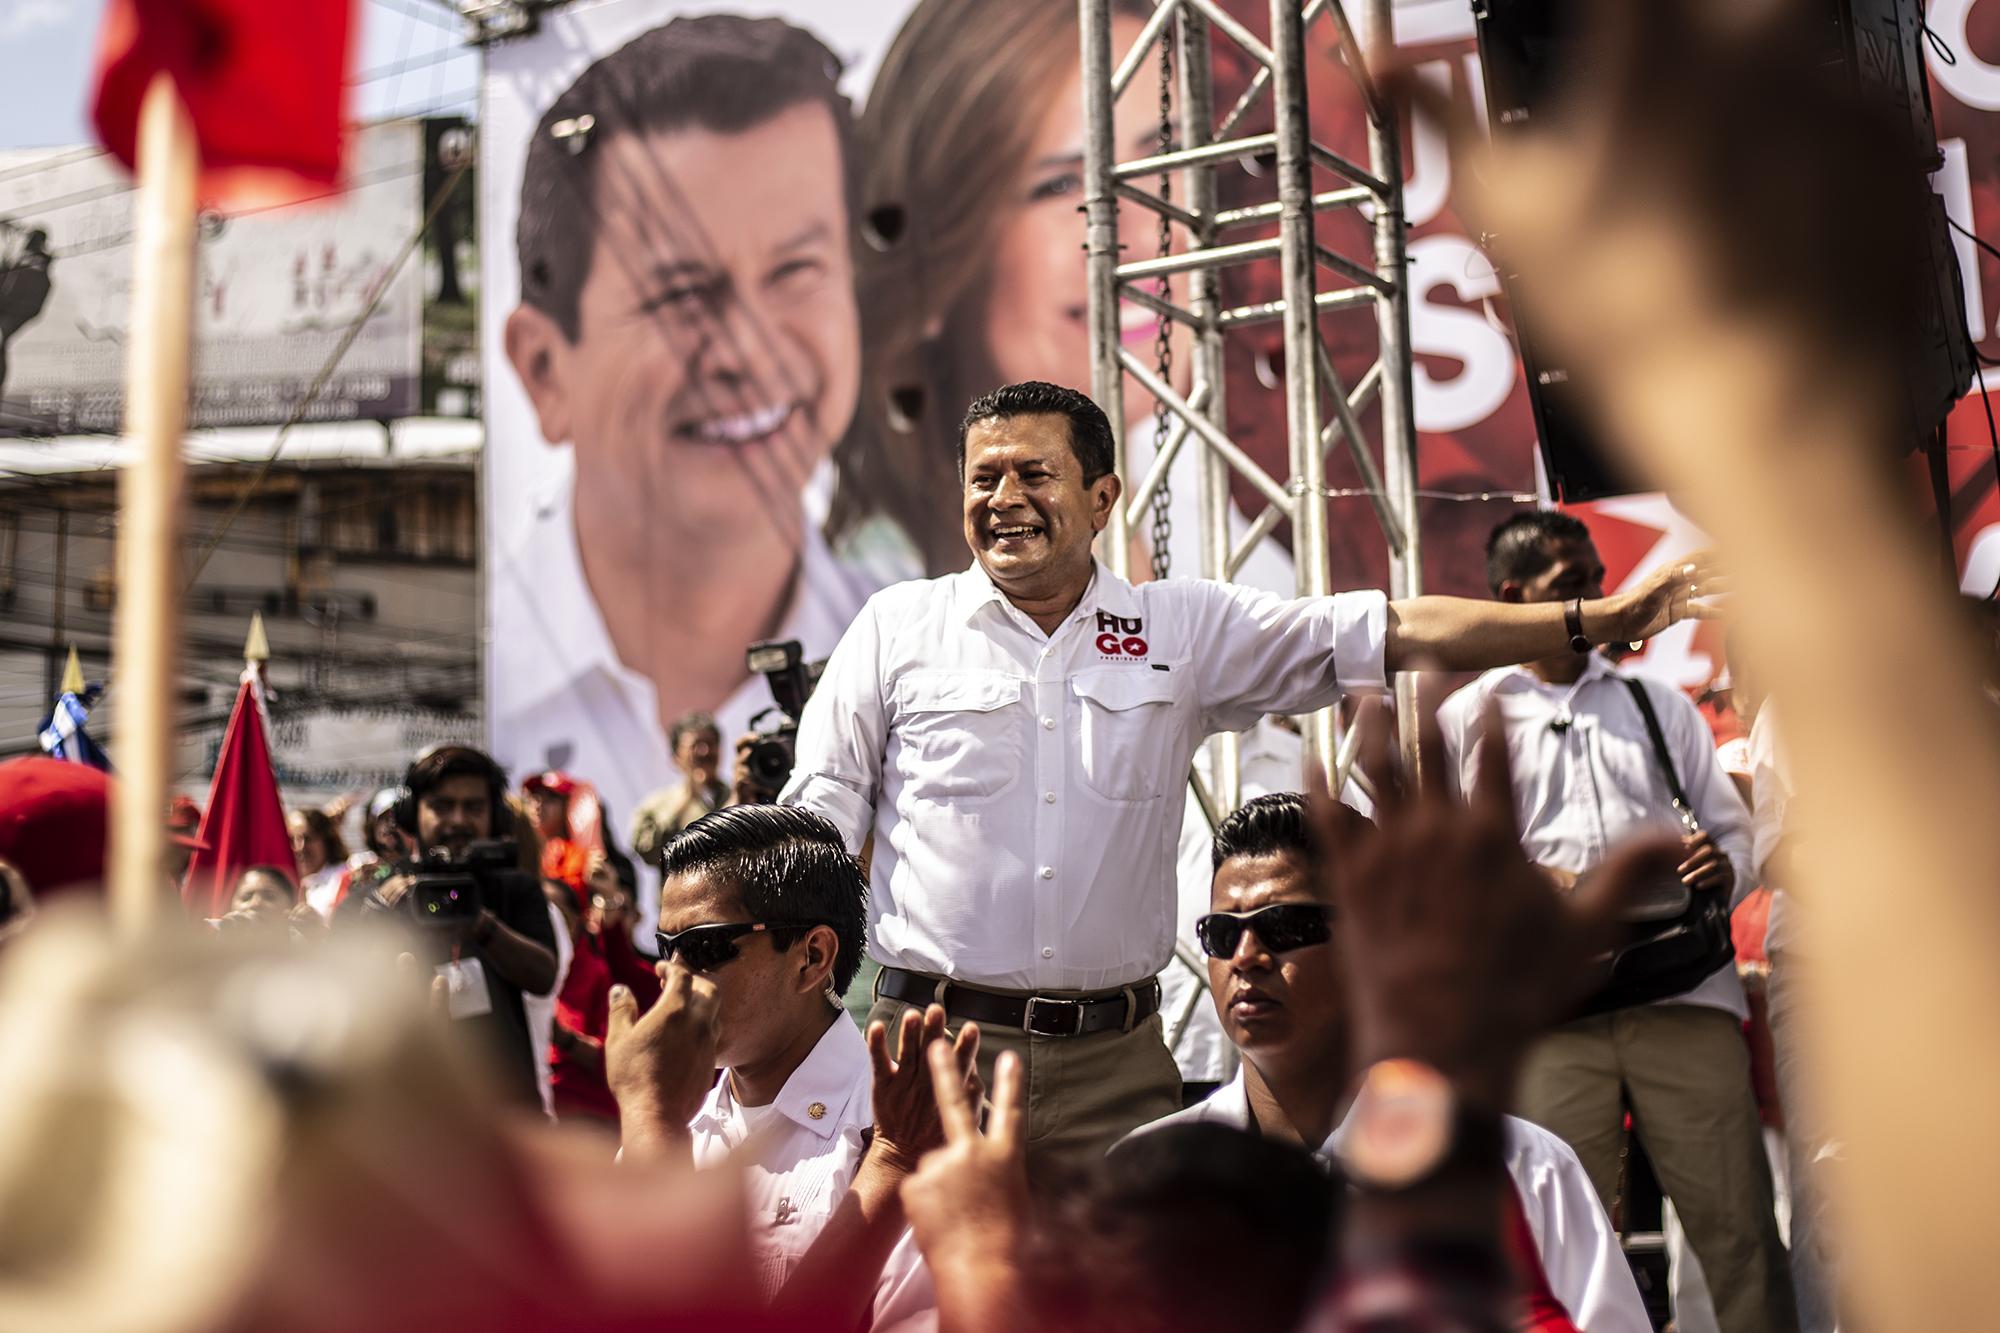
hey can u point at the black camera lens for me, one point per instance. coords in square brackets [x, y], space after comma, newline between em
[770, 758]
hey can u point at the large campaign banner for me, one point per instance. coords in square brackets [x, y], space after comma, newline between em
[276, 289]
[745, 266]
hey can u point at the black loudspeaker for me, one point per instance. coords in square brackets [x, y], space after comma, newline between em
[1528, 50]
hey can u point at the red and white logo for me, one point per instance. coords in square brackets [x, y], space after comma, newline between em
[1119, 637]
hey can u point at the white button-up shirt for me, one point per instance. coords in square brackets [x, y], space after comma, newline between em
[1579, 1251]
[1024, 788]
[1587, 779]
[813, 1139]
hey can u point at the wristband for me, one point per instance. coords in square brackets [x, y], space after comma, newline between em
[1573, 622]
[1408, 1126]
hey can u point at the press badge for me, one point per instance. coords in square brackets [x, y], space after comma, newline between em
[465, 990]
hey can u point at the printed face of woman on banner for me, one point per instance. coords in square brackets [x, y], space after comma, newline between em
[973, 139]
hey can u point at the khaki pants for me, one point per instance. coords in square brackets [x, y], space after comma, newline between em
[1083, 1093]
[1686, 1071]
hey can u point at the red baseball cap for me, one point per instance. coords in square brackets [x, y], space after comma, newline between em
[552, 782]
[54, 822]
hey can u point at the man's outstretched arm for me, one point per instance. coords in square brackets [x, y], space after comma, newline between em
[1463, 634]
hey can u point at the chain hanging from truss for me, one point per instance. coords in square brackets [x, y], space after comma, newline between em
[1163, 347]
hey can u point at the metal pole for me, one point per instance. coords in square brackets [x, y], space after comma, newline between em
[1302, 380]
[57, 625]
[1100, 214]
[1399, 430]
[1197, 119]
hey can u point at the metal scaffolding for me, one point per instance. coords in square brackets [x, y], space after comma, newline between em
[1314, 392]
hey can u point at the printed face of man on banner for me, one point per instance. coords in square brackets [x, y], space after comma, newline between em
[688, 326]
[716, 334]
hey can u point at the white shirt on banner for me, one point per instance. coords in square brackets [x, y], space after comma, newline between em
[1024, 789]
[1587, 779]
[561, 698]
[1579, 1251]
[812, 1141]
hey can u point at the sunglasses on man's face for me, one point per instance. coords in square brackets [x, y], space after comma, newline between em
[1282, 927]
[707, 947]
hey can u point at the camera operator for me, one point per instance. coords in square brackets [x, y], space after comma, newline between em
[765, 755]
[491, 945]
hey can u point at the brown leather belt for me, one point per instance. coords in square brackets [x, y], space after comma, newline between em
[1041, 1015]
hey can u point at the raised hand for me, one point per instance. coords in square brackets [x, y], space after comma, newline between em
[1710, 228]
[1456, 950]
[907, 1120]
[660, 1064]
[1682, 590]
[968, 1200]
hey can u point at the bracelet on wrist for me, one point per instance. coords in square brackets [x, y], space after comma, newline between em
[1579, 642]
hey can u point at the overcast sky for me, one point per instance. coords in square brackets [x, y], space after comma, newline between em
[409, 60]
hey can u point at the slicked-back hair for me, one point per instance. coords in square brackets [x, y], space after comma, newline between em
[1518, 549]
[787, 865]
[1089, 428]
[1267, 826]
[718, 72]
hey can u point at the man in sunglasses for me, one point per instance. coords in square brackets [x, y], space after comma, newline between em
[762, 918]
[1275, 976]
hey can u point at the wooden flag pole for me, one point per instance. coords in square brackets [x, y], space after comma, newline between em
[146, 632]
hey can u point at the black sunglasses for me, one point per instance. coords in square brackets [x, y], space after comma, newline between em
[1282, 927]
[707, 947]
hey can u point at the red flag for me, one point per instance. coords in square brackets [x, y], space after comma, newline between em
[263, 81]
[245, 822]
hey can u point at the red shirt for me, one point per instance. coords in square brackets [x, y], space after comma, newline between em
[584, 1006]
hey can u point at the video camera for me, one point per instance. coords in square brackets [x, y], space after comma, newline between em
[774, 748]
[446, 891]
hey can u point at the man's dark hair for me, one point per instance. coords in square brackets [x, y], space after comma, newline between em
[1266, 826]
[718, 72]
[438, 765]
[787, 865]
[1518, 549]
[1139, 1250]
[279, 873]
[687, 722]
[1089, 429]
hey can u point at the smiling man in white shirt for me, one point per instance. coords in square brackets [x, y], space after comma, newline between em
[1587, 778]
[1275, 978]
[1016, 738]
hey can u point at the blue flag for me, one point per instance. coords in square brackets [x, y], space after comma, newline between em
[63, 735]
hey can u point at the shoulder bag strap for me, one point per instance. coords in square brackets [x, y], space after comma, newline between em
[1661, 752]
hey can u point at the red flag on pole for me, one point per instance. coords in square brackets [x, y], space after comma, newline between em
[264, 82]
[245, 822]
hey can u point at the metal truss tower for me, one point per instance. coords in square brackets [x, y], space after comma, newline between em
[1321, 412]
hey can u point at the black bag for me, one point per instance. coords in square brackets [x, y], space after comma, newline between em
[1678, 936]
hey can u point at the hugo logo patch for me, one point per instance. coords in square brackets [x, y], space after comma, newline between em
[1119, 637]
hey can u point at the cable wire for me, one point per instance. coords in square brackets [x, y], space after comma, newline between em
[333, 360]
